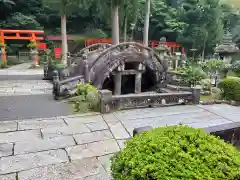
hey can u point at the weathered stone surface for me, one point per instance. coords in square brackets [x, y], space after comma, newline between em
[110, 118]
[65, 130]
[39, 124]
[105, 161]
[8, 177]
[81, 120]
[122, 143]
[156, 112]
[76, 170]
[19, 136]
[93, 136]
[43, 144]
[99, 148]
[6, 126]
[97, 126]
[22, 162]
[119, 132]
[6, 149]
[102, 176]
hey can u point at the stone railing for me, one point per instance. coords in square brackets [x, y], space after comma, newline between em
[65, 87]
[110, 102]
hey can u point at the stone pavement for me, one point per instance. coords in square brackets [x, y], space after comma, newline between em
[24, 95]
[21, 72]
[24, 87]
[79, 147]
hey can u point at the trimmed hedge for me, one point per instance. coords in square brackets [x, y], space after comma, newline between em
[230, 88]
[176, 152]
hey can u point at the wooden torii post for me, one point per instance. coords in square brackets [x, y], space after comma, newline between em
[7, 34]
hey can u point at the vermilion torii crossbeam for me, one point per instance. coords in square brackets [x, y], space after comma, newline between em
[9, 34]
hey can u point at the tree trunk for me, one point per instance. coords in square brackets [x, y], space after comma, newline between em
[125, 28]
[146, 22]
[204, 46]
[64, 38]
[115, 24]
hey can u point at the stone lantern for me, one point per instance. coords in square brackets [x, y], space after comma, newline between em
[162, 50]
[33, 54]
[227, 48]
[2, 54]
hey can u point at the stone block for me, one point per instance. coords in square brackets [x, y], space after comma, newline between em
[64, 131]
[110, 118]
[119, 132]
[99, 148]
[16, 136]
[22, 162]
[93, 137]
[39, 124]
[81, 120]
[97, 126]
[6, 149]
[8, 177]
[76, 170]
[106, 162]
[7, 126]
[43, 144]
[121, 143]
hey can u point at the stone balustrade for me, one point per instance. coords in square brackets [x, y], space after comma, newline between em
[110, 102]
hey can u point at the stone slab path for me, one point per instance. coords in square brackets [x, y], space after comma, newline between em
[79, 147]
[21, 72]
[24, 87]
[24, 95]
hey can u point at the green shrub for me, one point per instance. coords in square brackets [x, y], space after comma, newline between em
[193, 75]
[216, 93]
[212, 65]
[176, 152]
[230, 88]
[88, 98]
[206, 85]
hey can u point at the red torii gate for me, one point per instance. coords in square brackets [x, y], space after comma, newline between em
[34, 35]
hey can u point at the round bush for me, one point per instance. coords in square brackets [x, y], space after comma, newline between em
[176, 152]
[230, 88]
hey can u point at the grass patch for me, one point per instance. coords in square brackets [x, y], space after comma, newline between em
[207, 98]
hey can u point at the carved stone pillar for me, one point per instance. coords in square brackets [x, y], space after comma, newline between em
[117, 83]
[34, 57]
[138, 82]
[1, 55]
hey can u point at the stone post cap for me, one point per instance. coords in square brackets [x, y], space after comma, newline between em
[105, 94]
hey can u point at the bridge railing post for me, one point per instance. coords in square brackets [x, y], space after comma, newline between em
[56, 85]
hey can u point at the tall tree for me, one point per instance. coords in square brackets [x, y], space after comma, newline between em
[115, 21]
[146, 22]
[64, 8]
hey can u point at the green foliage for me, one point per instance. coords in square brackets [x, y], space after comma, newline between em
[32, 45]
[212, 65]
[197, 24]
[206, 85]
[88, 98]
[176, 152]
[230, 88]
[193, 75]
[20, 21]
[98, 33]
[236, 67]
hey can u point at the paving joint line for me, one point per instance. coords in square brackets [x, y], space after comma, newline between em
[216, 114]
